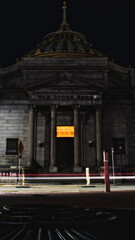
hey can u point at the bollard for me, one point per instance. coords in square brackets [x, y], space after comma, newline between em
[106, 171]
[23, 176]
[87, 176]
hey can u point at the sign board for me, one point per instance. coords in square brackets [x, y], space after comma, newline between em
[20, 148]
[65, 131]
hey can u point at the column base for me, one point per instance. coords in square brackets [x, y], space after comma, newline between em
[53, 169]
[77, 169]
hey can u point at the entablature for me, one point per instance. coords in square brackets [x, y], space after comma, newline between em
[86, 97]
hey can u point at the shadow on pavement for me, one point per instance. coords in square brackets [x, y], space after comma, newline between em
[52, 222]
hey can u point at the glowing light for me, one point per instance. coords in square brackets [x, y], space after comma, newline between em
[67, 178]
[65, 131]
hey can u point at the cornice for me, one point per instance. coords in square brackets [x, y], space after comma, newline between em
[95, 68]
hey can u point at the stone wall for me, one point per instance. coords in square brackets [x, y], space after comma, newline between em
[118, 122]
[13, 124]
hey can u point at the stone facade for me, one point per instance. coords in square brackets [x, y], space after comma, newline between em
[92, 94]
[13, 124]
[66, 82]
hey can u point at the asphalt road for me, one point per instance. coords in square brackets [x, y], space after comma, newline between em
[59, 211]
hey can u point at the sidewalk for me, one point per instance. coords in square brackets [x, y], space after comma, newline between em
[121, 197]
[62, 188]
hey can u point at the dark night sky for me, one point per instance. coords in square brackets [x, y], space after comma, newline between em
[108, 25]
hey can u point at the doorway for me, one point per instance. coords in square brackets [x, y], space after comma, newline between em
[65, 153]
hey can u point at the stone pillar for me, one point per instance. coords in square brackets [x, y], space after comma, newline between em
[31, 137]
[47, 140]
[77, 167]
[35, 134]
[53, 167]
[99, 135]
[83, 140]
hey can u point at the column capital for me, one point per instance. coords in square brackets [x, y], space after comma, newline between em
[76, 107]
[32, 107]
[53, 107]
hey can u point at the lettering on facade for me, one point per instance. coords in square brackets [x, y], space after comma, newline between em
[59, 97]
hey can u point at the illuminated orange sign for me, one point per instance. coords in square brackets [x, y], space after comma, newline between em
[65, 131]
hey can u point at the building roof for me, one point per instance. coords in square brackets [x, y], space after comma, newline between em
[64, 43]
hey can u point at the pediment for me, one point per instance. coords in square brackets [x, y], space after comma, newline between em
[63, 82]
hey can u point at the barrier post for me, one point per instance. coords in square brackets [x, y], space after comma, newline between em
[87, 176]
[19, 169]
[23, 176]
[106, 171]
[112, 150]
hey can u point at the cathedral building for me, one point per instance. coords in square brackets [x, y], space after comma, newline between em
[66, 102]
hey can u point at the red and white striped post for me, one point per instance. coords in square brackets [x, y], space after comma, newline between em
[106, 171]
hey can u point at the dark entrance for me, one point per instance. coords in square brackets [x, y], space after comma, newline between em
[65, 153]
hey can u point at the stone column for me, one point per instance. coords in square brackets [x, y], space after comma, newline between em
[83, 140]
[53, 167]
[99, 135]
[35, 134]
[77, 167]
[31, 137]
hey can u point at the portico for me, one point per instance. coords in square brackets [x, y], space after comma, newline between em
[70, 115]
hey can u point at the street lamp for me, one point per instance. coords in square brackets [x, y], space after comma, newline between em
[91, 143]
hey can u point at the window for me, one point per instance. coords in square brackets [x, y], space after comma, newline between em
[11, 148]
[119, 145]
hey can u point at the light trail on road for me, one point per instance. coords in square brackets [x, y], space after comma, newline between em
[65, 178]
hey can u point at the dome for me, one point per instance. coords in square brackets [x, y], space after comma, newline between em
[64, 43]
